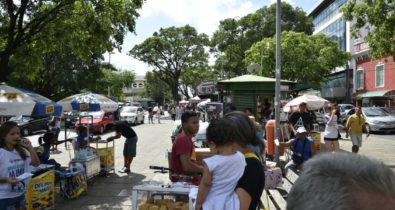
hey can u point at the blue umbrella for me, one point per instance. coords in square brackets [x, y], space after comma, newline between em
[88, 102]
[17, 101]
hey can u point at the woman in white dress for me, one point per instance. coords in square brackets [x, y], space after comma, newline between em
[222, 171]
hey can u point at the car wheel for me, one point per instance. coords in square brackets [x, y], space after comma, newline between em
[367, 128]
[25, 132]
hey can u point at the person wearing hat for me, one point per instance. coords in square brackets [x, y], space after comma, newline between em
[302, 149]
[301, 118]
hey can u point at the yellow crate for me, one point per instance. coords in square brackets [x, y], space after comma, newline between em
[106, 156]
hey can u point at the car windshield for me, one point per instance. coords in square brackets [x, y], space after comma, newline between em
[96, 115]
[129, 109]
[348, 107]
[374, 112]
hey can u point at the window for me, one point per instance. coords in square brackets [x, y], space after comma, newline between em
[380, 75]
[359, 79]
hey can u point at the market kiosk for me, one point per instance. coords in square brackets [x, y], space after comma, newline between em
[40, 192]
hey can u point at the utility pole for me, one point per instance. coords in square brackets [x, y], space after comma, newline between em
[278, 78]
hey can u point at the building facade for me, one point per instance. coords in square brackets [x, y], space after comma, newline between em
[132, 93]
[328, 19]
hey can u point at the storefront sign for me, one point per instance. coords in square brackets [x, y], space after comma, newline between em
[206, 88]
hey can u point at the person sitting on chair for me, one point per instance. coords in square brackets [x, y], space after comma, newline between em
[302, 149]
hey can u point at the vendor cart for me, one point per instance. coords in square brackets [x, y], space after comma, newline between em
[72, 183]
[40, 192]
[105, 150]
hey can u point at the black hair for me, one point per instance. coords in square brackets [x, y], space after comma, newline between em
[245, 130]
[186, 115]
[82, 129]
[5, 128]
[221, 132]
[248, 109]
[46, 138]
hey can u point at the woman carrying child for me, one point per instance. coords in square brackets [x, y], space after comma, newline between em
[16, 155]
[222, 171]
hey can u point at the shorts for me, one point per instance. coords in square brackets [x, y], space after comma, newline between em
[12, 203]
[356, 140]
[330, 139]
[129, 149]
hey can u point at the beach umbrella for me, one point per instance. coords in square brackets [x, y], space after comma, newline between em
[183, 102]
[195, 99]
[313, 102]
[88, 102]
[18, 101]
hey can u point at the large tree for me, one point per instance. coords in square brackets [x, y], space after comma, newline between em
[171, 51]
[234, 37]
[304, 58]
[156, 88]
[45, 26]
[378, 18]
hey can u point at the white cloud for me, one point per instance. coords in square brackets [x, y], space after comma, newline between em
[204, 15]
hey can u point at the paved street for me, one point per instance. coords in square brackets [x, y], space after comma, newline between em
[113, 192]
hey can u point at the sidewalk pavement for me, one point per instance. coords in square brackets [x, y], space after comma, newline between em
[114, 191]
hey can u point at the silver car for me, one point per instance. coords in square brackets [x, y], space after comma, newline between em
[376, 119]
[132, 114]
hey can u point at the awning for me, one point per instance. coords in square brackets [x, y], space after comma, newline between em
[371, 94]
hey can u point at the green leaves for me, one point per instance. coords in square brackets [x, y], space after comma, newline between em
[234, 37]
[304, 58]
[377, 18]
[172, 51]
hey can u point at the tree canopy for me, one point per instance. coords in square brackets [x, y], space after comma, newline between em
[378, 17]
[171, 51]
[304, 58]
[55, 47]
[234, 37]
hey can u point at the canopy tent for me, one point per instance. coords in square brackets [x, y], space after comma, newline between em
[17, 101]
[183, 102]
[313, 103]
[203, 103]
[195, 99]
[88, 102]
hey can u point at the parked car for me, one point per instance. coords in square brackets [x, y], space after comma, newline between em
[132, 114]
[390, 111]
[97, 121]
[29, 125]
[376, 119]
[343, 110]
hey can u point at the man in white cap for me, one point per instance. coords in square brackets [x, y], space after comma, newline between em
[302, 149]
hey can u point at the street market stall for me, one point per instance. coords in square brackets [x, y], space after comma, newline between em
[20, 102]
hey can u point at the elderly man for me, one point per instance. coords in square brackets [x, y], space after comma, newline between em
[302, 149]
[343, 181]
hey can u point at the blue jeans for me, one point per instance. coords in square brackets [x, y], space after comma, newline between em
[12, 203]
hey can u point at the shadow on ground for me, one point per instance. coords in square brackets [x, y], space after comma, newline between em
[111, 192]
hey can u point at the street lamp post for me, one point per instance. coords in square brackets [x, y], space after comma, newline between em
[278, 78]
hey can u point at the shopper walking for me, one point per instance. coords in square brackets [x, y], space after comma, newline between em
[354, 127]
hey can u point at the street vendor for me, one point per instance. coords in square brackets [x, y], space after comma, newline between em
[122, 128]
[82, 139]
[183, 155]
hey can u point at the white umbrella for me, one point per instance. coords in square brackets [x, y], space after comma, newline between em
[88, 102]
[183, 102]
[17, 101]
[195, 99]
[313, 103]
[203, 103]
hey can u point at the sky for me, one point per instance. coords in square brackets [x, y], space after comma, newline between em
[204, 15]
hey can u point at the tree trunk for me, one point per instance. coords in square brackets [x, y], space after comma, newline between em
[4, 68]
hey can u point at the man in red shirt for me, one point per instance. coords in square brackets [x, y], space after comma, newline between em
[183, 156]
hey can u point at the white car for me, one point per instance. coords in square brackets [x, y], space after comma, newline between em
[132, 114]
